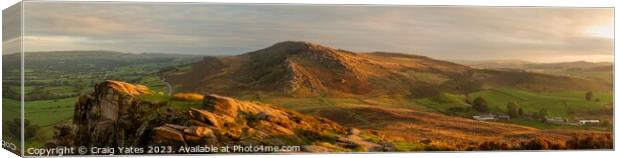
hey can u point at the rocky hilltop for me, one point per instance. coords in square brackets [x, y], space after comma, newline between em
[117, 115]
[303, 69]
[306, 69]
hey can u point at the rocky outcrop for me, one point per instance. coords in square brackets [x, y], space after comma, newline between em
[118, 114]
[110, 115]
[64, 135]
[224, 120]
[297, 78]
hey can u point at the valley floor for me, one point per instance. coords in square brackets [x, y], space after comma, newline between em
[417, 127]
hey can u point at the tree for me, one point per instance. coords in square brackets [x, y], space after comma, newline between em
[468, 99]
[14, 128]
[589, 96]
[513, 109]
[480, 104]
[569, 110]
[606, 123]
[520, 111]
[542, 114]
[78, 87]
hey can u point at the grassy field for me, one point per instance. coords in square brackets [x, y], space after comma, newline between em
[555, 102]
[571, 105]
[45, 113]
[10, 109]
[49, 112]
[180, 105]
[42, 114]
[154, 83]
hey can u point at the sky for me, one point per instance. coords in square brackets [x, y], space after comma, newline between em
[538, 34]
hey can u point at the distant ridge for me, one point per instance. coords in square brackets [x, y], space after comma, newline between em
[307, 69]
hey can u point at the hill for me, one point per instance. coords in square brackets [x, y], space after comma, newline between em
[597, 71]
[306, 69]
[520, 64]
[78, 61]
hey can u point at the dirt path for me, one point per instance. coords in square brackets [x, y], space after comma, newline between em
[369, 146]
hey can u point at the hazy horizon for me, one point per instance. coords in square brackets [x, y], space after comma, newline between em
[445, 59]
[535, 34]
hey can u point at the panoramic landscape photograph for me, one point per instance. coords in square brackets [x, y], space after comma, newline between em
[176, 78]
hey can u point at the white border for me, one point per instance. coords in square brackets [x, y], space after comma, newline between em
[567, 3]
[558, 3]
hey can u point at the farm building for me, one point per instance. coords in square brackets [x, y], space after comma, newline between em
[503, 117]
[555, 120]
[585, 122]
[487, 117]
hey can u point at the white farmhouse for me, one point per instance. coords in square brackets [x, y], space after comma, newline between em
[585, 122]
[488, 117]
[555, 120]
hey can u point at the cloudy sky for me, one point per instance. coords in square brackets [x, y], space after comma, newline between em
[471, 33]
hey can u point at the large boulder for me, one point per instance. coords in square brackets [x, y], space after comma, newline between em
[110, 115]
[221, 105]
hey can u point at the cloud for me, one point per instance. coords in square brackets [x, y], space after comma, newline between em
[11, 29]
[530, 33]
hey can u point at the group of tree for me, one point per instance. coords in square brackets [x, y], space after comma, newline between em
[42, 93]
[514, 110]
[541, 114]
[13, 128]
[480, 104]
[423, 91]
[590, 95]
[462, 83]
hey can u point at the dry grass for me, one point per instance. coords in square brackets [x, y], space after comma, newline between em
[456, 133]
[188, 96]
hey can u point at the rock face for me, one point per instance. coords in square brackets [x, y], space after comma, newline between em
[109, 116]
[116, 115]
